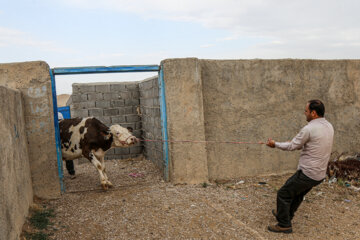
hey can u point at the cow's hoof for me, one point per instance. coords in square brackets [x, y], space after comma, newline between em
[109, 184]
[104, 186]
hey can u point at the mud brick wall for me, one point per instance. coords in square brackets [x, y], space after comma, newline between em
[111, 103]
[151, 123]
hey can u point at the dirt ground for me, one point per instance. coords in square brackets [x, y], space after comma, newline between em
[142, 206]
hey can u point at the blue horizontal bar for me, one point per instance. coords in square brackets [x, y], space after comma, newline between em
[103, 69]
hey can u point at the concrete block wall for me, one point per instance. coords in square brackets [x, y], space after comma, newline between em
[16, 193]
[151, 122]
[111, 103]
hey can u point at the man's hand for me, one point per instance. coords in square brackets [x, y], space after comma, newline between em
[270, 143]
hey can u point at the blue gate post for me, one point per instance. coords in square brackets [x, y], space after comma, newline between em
[164, 122]
[57, 133]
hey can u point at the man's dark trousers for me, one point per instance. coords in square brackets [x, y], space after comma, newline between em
[70, 167]
[290, 196]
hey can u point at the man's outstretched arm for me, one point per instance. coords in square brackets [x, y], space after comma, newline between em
[295, 144]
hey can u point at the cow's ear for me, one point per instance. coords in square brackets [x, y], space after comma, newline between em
[130, 129]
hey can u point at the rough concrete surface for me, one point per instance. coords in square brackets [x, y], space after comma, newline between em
[33, 80]
[16, 193]
[185, 120]
[145, 207]
[252, 100]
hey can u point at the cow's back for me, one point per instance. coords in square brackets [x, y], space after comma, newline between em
[77, 134]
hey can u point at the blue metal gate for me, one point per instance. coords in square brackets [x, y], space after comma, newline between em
[65, 111]
[110, 69]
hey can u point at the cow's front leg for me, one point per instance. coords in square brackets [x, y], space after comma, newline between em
[97, 164]
[108, 183]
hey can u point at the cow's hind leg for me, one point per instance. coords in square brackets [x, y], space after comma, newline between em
[97, 164]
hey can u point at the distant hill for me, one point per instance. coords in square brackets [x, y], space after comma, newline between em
[62, 99]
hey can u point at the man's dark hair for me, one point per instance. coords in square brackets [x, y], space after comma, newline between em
[317, 106]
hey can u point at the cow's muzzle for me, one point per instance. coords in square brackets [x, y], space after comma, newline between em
[129, 141]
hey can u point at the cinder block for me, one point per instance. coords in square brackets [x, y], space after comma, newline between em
[145, 85]
[111, 96]
[117, 87]
[129, 110]
[111, 157]
[110, 151]
[132, 118]
[132, 86]
[118, 119]
[127, 156]
[148, 102]
[156, 112]
[111, 112]
[79, 113]
[96, 112]
[76, 98]
[117, 103]
[137, 133]
[131, 102]
[157, 133]
[83, 88]
[156, 102]
[125, 125]
[155, 82]
[102, 104]
[135, 95]
[95, 96]
[155, 92]
[138, 125]
[135, 155]
[158, 146]
[148, 94]
[157, 122]
[104, 88]
[104, 120]
[122, 151]
[124, 95]
[83, 105]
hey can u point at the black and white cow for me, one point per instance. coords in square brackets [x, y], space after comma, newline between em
[90, 138]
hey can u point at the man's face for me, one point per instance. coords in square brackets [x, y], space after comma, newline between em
[307, 113]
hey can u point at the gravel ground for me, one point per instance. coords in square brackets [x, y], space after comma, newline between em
[145, 207]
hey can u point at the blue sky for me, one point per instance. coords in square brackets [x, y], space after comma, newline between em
[123, 32]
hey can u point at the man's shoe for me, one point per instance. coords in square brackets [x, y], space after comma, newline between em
[276, 228]
[274, 212]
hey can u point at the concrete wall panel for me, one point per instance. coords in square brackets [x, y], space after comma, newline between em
[16, 192]
[251, 100]
[185, 119]
[33, 80]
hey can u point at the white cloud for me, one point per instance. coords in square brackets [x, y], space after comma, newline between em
[298, 24]
[207, 45]
[12, 37]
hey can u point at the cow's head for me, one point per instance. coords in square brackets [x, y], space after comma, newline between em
[122, 136]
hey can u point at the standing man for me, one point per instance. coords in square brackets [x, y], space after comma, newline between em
[315, 141]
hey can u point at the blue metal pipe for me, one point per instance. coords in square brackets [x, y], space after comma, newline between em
[163, 116]
[57, 133]
[103, 69]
